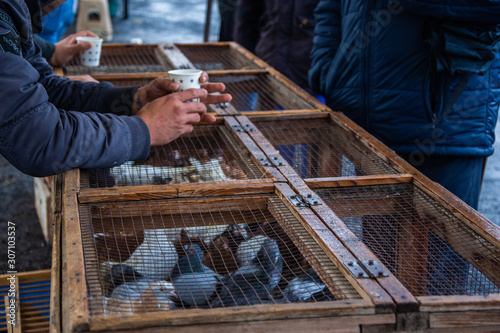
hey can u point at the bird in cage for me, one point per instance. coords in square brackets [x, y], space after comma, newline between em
[156, 296]
[235, 234]
[194, 282]
[252, 283]
[249, 249]
[219, 257]
[302, 288]
[155, 257]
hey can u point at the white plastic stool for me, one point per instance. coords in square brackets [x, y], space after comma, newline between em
[94, 15]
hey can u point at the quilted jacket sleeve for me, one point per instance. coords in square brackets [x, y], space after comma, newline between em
[480, 11]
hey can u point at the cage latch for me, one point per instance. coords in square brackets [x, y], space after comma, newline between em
[309, 200]
[366, 269]
[243, 128]
[274, 161]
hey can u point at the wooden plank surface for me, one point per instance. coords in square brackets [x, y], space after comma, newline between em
[75, 312]
[358, 181]
[175, 57]
[458, 303]
[355, 309]
[465, 320]
[344, 324]
[155, 192]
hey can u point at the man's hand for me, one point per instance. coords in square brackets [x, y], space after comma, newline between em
[169, 116]
[67, 48]
[163, 86]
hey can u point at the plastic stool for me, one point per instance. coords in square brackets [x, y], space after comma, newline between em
[94, 15]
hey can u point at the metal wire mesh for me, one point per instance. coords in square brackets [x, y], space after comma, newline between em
[427, 248]
[261, 92]
[121, 59]
[316, 148]
[202, 253]
[207, 154]
[215, 57]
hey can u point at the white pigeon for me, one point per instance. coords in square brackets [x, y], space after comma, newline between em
[155, 257]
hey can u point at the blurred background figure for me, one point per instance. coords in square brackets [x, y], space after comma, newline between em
[279, 32]
[227, 9]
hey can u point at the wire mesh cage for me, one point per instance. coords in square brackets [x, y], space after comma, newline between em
[318, 148]
[430, 250]
[261, 91]
[123, 58]
[204, 252]
[209, 153]
[220, 56]
[33, 300]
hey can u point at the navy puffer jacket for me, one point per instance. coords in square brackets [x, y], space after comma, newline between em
[371, 61]
[50, 124]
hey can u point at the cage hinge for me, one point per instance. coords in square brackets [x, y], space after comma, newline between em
[243, 128]
[309, 200]
[366, 269]
[274, 161]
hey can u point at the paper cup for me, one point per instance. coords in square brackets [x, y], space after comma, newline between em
[91, 56]
[186, 78]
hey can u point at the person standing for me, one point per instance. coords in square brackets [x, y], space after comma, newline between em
[423, 77]
[280, 32]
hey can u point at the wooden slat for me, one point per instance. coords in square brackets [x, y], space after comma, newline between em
[180, 206]
[358, 181]
[267, 148]
[347, 324]
[154, 192]
[55, 279]
[459, 303]
[176, 57]
[270, 112]
[255, 151]
[249, 55]
[74, 301]
[476, 320]
[245, 315]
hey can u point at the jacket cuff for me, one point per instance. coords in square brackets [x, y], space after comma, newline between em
[117, 100]
[140, 139]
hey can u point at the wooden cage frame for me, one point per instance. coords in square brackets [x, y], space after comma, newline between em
[385, 304]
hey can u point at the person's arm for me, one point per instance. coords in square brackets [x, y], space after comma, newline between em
[479, 11]
[41, 140]
[247, 22]
[326, 42]
[46, 47]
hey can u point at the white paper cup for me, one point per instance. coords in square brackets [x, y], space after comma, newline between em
[186, 78]
[91, 56]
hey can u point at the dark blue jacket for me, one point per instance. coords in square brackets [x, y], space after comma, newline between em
[50, 124]
[371, 61]
[279, 32]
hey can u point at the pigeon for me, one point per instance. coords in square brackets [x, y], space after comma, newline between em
[249, 249]
[194, 283]
[254, 282]
[219, 257]
[302, 288]
[155, 257]
[126, 282]
[156, 296]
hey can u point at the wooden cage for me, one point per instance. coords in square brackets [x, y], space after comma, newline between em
[389, 249]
